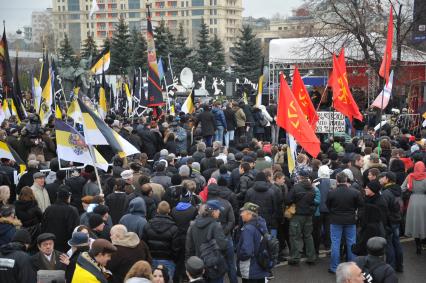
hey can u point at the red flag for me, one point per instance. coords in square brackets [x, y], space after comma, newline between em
[342, 63]
[303, 99]
[292, 119]
[387, 57]
[342, 97]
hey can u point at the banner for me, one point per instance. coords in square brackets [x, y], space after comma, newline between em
[325, 122]
[419, 30]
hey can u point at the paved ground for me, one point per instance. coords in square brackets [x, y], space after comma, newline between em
[414, 269]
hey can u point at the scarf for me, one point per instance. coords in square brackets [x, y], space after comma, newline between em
[418, 174]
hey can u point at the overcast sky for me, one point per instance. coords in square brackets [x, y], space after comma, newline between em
[17, 13]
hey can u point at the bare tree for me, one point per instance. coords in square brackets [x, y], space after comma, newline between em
[362, 24]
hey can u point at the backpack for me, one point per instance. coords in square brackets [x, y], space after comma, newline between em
[268, 251]
[262, 120]
[368, 271]
[214, 261]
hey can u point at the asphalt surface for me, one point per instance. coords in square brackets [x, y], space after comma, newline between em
[414, 269]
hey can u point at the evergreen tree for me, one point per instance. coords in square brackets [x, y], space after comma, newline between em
[139, 56]
[66, 52]
[204, 53]
[107, 43]
[164, 41]
[89, 48]
[181, 56]
[120, 48]
[247, 55]
[218, 58]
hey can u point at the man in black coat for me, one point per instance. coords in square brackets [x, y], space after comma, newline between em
[343, 202]
[14, 252]
[208, 124]
[117, 202]
[60, 219]
[48, 258]
[76, 183]
[161, 236]
[148, 141]
[53, 188]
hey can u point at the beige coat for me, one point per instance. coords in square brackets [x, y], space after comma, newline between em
[41, 196]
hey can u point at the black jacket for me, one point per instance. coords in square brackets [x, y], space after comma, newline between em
[76, 184]
[231, 120]
[208, 123]
[197, 235]
[343, 203]
[60, 219]
[149, 142]
[26, 180]
[392, 194]
[225, 193]
[160, 234]
[264, 196]
[28, 212]
[226, 217]
[383, 273]
[303, 195]
[38, 263]
[52, 189]
[116, 203]
[183, 214]
[21, 271]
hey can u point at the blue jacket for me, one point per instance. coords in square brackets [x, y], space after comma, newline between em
[219, 117]
[247, 247]
[324, 187]
[317, 201]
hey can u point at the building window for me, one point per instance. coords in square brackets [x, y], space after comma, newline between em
[134, 4]
[134, 15]
[197, 12]
[73, 5]
[74, 17]
[280, 28]
[197, 3]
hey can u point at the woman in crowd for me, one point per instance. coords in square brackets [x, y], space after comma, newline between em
[140, 272]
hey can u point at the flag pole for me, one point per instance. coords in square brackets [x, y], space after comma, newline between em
[92, 155]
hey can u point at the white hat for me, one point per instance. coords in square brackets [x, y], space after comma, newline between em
[126, 174]
[323, 172]
[164, 152]
[349, 173]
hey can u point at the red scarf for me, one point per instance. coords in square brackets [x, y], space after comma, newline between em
[418, 174]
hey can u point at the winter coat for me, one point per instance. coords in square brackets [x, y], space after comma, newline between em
[392, 194]
[303, 195]
[160, 234]
[129, 250]
[52, 190]
[224, 193]
[198, 156]
[8, 229]
[183, 214]
[258, 128]
[91, 189]
[116, 203]
[21, 271]
[324, 186]
[262, 195]
[219, 117]
[28, 213]
[383, 273]
[39, 262]
[262, 163]
[88, 270]
[26, 180]
[248, 112]
[41, 196]
[197, 235]
[60, 219]
[231, 120]
[240, 116]
[342, 204]
[247, 247]
[149, 142]
[162, 179]
[246, 182]
[76, 184]
[226, 217]
[69, 272]
[135, 220]
[208, 123]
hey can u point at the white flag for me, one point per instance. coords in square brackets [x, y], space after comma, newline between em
[94, 9]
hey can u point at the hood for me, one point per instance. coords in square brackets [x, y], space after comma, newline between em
[161, 223]
[138, 280]
[6, 225]
[11, 247]
[203, 222]
[396, 189]
[137, 206]
[261, 186]
[181, 206]
[220, 191]
[305, 184]
[129, 240]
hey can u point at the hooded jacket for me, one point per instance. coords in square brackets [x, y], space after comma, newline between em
[8, 229]
[197, 235]
[160, 234]
[28, 212]
[224, 193]
[135, 220]
[303, 195]
[247, 247]
[15, 264]
[88, 270]
[264, 196]
[219, 117]
[129, 250]
[392, 194]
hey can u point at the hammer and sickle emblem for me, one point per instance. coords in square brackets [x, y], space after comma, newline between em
[302, 98]
[344, 96]
[293, 115]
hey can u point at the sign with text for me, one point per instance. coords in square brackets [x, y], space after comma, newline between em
[419, 16]
[326, 121]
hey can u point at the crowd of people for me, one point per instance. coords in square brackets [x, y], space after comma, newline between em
[210, 195]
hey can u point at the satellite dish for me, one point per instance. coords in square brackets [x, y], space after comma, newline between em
[187, 78]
